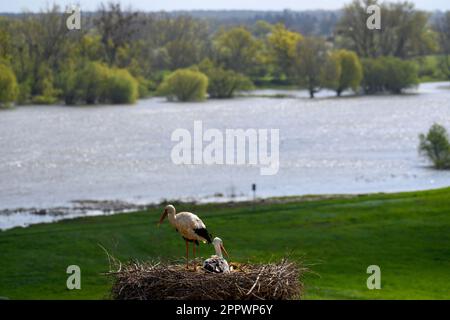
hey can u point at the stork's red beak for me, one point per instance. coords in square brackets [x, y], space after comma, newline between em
[224, 250]
[163, 216]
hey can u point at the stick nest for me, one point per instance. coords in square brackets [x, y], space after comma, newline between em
[165, 281]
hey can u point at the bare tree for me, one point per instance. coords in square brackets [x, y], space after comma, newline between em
[116, 28]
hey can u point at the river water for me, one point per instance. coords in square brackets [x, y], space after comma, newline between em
[51, 156]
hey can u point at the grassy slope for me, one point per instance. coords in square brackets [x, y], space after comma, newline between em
[407, 235]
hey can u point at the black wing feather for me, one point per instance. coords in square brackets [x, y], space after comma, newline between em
[202, 232]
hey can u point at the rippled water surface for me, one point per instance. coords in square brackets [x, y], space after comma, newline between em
[52, 155]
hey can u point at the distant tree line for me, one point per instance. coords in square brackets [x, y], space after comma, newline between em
[120, 55]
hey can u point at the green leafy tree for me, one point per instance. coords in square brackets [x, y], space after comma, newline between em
[282, 45]
[262, 29]
[48, 94]
[330, 73]
[310, 58]
[6, 50]
[238, 50]
[435, 146]
[350, 71]
[68, 83]
[186, 42]
[8, 86]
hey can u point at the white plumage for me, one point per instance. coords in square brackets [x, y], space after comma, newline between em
[217, 263]
[189, 225]
[186, 223]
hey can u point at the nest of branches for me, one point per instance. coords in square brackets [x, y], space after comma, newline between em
[165, 281]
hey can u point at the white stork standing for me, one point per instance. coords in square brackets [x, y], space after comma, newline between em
[191, 228]
[217, 263]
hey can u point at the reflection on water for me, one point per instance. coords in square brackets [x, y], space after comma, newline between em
[51, 155]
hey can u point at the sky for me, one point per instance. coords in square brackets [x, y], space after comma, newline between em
[169, 5]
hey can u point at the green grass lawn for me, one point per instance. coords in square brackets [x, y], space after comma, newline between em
[406, 234]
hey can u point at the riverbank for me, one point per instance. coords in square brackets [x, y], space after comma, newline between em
[277, 91]
[406, 234]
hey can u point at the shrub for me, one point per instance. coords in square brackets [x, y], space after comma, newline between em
[389, 74]
[8, 85]
[121, 87]
[400, 74]
[436, 146]
[96, 83]
[92, 83]
[44, 99]
[373, 80]
[46, 93]
[24, 96]
[224, 83]
[184, 85]
[68, 83]
[145, 86]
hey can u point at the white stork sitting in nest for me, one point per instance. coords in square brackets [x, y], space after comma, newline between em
[191, 228]
[217, 263]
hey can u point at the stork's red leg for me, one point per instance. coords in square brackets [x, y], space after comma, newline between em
[187, 254]
[195, 265]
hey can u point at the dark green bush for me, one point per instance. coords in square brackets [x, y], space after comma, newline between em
[144, 87]
[68, 83]
[435, 146]
[24, 96]
[400, 74]
[44, 99]
[374, 74]
[388, 74]
[45, 92]
[9, 89]
[224, 83]
[184, 85]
